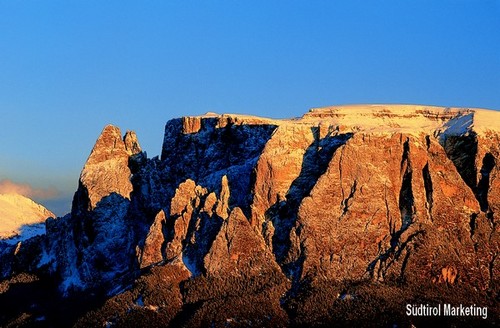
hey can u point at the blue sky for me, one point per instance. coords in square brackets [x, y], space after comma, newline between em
[68, 68]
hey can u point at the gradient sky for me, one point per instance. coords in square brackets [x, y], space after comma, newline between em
[68, 68]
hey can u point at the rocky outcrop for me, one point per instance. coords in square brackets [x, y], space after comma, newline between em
[229, 252]
[152, 250]
[281, 222]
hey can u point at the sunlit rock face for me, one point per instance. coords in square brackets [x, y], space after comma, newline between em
[258, 215]
[106, 170]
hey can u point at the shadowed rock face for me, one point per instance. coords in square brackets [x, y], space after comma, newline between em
[252, 221]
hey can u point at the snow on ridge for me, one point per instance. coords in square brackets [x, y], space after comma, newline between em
[459, 125]
[21, 217]
[26, 232]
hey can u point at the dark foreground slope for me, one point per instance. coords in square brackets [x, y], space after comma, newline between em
[343, 216]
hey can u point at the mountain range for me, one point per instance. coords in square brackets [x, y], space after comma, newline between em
[344, 215]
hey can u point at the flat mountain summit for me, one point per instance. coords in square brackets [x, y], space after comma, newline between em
[343, 215]
[380, 118]
[409, 118]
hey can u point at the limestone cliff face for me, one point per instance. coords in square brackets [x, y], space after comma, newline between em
[251, 206]
[360, 192]
[383, 213]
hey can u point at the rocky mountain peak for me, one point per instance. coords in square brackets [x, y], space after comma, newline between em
[107, 168]
[111, 145]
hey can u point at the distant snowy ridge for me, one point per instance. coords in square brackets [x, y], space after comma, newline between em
[21, 217]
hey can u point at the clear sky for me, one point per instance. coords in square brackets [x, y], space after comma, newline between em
[68, 68]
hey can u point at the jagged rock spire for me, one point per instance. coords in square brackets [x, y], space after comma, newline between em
[106, 170]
